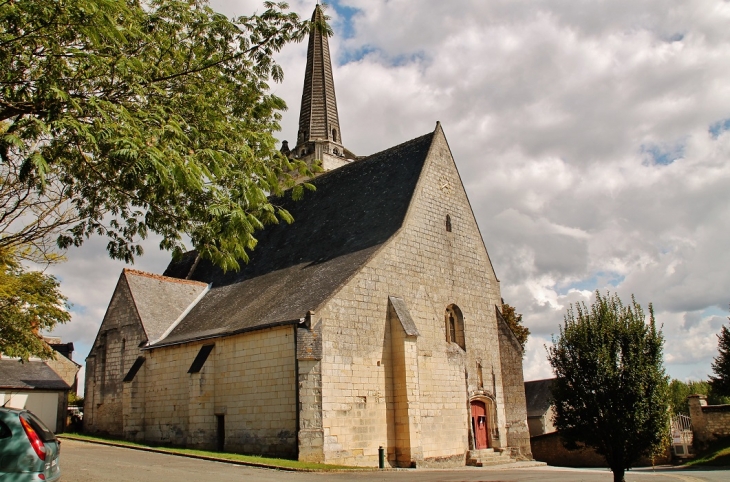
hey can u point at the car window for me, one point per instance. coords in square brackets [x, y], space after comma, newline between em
[4, 430]
[42, 431]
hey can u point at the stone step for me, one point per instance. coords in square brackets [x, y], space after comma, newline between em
[487, 457]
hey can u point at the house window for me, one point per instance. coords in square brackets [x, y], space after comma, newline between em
[455, 326]
[448, 223]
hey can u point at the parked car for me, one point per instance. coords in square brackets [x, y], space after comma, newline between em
[29, 451]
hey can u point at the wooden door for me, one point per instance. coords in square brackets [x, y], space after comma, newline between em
[479, 424]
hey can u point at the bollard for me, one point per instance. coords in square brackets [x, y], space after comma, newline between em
[381, 457]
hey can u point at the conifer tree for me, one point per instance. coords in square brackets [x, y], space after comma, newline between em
[721, 366]
[611, 391]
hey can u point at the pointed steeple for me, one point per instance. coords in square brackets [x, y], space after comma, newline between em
[319, 135]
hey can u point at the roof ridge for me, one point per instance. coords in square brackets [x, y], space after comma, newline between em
[163, 278]
[368, 158]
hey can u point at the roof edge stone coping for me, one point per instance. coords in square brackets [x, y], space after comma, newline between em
[159, 277]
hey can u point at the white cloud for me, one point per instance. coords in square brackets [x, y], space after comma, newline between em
[581, 130]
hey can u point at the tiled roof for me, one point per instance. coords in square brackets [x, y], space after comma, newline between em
[161, 300]
[295, 268]
[29, 375]
[538, 396]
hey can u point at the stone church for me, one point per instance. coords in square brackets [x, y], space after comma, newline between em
[371, 321]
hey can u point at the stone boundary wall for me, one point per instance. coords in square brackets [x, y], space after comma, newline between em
[709, 422]
[549, 448]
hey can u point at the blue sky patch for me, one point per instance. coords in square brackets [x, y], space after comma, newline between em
[664, 154]
[715, 311]
[599, 280]
[677, 37]
[344, 26]
[719, 127]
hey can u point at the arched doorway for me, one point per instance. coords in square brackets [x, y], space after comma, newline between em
[480, 424]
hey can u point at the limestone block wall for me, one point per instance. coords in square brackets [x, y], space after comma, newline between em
[518, 432]
[65, 368]
[248, 379]
[112, 354]
[709, 422]
[429, 268]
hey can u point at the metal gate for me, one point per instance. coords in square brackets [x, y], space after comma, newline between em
[682, 436]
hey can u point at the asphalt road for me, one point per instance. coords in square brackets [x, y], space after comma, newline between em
[88, 462]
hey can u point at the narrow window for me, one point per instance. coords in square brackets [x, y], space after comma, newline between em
[455, 326]
[201, 358]
[334, 135]
[481, 375]
[448, 223]
[452, 328]
[102, 358]
[121, 355]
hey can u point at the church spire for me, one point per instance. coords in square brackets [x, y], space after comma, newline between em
[318, 118]
[319, 135]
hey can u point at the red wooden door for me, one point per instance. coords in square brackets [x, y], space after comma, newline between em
[479, 423]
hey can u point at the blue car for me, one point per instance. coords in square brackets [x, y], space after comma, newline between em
[28, 450]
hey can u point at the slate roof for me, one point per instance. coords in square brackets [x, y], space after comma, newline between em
[296, 267]
[538, 396]
[160, 300]
[31, 375]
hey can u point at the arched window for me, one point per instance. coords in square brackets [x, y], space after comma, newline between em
[455, 326]
[334, 135]
[448, 223]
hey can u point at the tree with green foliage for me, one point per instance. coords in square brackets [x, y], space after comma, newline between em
[679, 391]
[514, 321]
[142, 116]
[721, 365]
[30, 301]
[610, 389]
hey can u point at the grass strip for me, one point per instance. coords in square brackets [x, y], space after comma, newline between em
[717, 454]
[254, 460]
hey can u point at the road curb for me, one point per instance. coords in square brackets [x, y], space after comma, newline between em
[515, 465]
[228, 461]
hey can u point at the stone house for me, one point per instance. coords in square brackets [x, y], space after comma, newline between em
[370, 321]
[41, 386]
[540, 409]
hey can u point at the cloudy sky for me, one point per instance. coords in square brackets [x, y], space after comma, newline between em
[593, 139]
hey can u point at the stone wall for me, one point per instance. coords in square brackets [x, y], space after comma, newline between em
[511, 353]
[249, 380]
[709, 422]
[115, 349]
[367, 361]
[549, 448]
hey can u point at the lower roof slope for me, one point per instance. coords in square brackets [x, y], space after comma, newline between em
[296, 267]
